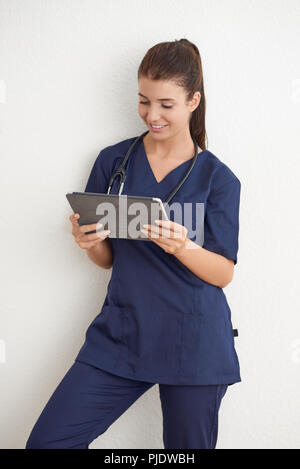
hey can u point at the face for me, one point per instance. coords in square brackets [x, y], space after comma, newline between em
[164, 104]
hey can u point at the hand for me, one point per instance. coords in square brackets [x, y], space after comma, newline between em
[83, 240]
[169, 235]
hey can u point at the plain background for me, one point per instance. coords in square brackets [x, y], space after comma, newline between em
[68, 88]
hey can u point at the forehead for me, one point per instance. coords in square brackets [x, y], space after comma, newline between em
[160, 89]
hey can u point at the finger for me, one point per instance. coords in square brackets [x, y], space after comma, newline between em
[168, 244]
[158, 240]
[170, 231]
[88, 245]
[160, 232]
[95, 243]
[94, 236]
[74, 217]
[99, 240]
[172, 225]
[152, 230]
[93, 226]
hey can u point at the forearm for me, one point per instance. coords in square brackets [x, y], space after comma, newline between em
[101, 254]
[208, 266]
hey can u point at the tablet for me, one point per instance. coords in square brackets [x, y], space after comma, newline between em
[124, 215]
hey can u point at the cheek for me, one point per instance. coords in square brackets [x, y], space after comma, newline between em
[142, 111]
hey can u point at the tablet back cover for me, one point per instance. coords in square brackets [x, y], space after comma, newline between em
[123, 215]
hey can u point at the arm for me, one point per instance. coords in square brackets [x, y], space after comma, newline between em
[214, 261]
[208, 266]
[101, 254]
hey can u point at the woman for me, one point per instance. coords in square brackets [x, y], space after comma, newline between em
[165, 318]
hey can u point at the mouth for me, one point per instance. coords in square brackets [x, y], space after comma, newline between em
[157, 129]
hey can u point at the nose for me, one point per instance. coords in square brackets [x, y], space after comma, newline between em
[153, 115]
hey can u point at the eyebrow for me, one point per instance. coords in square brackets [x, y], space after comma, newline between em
[162, 99]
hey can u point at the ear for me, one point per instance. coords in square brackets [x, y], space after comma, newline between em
[195, 100]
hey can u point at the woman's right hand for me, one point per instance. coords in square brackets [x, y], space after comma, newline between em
[83, 240]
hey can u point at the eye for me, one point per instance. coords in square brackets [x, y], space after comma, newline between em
[166, 107]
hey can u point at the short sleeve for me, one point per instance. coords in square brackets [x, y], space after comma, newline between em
[221, 221]
[99, 177]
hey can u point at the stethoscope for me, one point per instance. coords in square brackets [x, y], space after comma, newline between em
[122, 172]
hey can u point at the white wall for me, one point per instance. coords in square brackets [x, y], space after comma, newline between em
[68, 89]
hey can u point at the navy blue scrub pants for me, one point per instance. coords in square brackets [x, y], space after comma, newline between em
[88, 400]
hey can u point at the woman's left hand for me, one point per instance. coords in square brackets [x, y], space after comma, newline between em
[169, 235]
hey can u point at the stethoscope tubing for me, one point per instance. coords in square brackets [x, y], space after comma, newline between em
[122, 172]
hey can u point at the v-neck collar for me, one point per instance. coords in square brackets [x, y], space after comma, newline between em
[170, 172]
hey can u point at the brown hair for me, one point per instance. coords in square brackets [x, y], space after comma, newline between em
[179, 61]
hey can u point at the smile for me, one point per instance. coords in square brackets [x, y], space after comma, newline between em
[158, 127]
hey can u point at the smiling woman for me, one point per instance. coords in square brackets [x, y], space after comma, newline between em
[170, 120]
[165, 318]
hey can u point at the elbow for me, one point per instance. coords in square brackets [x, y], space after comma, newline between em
[110, 263]
[224, 284]
[228, 277]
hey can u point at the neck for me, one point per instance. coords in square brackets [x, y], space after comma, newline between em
[175, 146]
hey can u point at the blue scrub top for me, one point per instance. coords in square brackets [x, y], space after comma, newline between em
[159, 322]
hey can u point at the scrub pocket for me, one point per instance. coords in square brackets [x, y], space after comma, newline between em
[153, 341]
[104, 337]
[208, 339]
